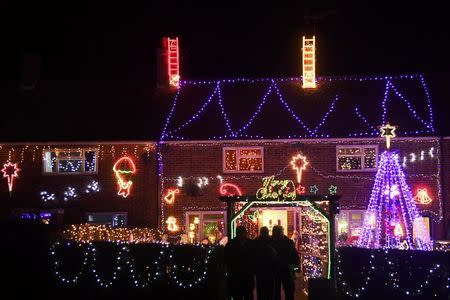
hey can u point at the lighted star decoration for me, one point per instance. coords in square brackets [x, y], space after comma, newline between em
[422, 197]
[332, 190]
[10, 171]
[300, 189]
[388, 132]
[298, 164]
[313, 189]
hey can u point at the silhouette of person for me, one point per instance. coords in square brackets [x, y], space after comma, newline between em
[286, 260]
[264, 265]
[239, 267]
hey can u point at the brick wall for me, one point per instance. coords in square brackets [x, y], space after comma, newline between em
[191, 160]
[140, 205]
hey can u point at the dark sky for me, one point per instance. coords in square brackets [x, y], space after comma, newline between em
[102, 40]
[116, 41]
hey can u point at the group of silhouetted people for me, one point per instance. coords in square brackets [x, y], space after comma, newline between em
[271, 260]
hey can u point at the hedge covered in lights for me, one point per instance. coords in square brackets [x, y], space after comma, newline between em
[392, 274]
[140, 265]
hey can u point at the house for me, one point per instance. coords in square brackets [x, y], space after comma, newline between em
[226, 136]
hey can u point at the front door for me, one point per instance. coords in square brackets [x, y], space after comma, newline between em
[272, 217]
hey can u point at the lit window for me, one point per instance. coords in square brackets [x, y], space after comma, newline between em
[205, 224]
[70, 161]
[108, 219]
[243, 159]
[349, 225]
[356, 158]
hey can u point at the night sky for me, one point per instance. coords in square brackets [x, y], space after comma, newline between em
[115, 45]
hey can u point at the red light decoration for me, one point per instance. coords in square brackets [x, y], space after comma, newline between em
[229, 189]
[170, 195]
[173, 61]
[123, 168]
[422, 196]
[298, 164]
[300, 189]
[10, 171]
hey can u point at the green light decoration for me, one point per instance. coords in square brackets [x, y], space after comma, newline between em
[298, 203]
[254, 217]
[332, 190]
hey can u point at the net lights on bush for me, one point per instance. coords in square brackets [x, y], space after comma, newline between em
[123, 169]
[10, 171]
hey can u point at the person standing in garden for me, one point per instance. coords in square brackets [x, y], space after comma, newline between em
[239, 266]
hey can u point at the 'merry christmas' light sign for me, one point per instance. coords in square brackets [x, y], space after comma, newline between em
[274, 189]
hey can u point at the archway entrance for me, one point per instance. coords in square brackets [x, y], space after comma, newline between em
[314, 222]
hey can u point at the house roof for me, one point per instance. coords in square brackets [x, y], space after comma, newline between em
[347, 106]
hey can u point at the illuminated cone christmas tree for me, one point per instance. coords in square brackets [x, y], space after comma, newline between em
[392, 216]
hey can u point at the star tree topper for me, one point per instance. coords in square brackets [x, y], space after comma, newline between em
[388, 132]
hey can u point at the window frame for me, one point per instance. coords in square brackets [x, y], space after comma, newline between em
[201, 214]
[113, 213]
[238, 156]
[83, 159]
[348, 219]
[362, 156]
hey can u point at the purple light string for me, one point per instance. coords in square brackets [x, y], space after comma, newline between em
[258, 110]
[239, 133]
[430, 107]
[324, 119]
[224, 114]
[409, 105]
[388, 175]
[197, 114]
[364, 119]
[293, 114]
